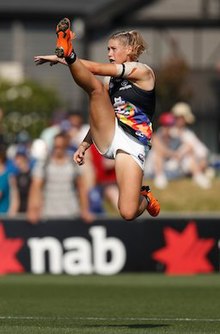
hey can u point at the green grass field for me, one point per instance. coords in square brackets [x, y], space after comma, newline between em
[125, 303]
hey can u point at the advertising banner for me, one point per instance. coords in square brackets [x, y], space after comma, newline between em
[107, 247]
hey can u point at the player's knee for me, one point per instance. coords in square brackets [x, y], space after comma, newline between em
[128, 213]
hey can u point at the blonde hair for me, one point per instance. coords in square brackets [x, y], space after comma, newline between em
[131, 38]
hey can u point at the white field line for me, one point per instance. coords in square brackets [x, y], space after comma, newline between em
[110, 319]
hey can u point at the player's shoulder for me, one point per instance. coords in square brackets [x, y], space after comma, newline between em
[135, 64]
[138, 64]
[149, 69]
[141, 66]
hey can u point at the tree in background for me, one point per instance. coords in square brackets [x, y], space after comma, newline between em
[27, 106]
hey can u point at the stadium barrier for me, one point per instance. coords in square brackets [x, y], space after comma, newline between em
[110, 246]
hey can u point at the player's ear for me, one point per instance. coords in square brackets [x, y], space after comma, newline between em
[129, 49]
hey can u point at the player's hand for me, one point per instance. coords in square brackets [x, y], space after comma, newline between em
[79, 156]
[52, 59]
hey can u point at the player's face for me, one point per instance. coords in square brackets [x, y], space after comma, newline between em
[117, 52]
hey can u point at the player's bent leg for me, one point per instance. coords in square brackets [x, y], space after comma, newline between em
[129, 178]
[133, 197]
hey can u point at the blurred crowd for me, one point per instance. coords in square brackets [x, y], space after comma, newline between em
[177, 151]
[39, 179]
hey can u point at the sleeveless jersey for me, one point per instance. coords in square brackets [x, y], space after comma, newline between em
[134, 108]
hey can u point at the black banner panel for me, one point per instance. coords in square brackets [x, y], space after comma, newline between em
[174, 246]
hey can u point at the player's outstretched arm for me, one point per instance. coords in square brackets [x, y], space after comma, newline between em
[94, 67]
[52, 59]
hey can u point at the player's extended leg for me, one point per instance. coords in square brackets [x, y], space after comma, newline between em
[102, 116]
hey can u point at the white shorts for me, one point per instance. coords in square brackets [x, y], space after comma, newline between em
[127, 143]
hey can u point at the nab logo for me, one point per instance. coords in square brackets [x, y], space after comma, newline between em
[76, 255]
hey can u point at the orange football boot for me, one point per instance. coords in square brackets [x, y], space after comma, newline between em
[153, 206]
[64, 46]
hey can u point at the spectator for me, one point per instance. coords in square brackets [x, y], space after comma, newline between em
[177, 151]
[9, 200]
[56, 187]
[162, 162]
[193, 153]
[105, 187]
[22, 143]
[23, 178]
[48, 134]
[39, 150]
[76, 128]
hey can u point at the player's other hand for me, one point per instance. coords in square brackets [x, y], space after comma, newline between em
[79, 156]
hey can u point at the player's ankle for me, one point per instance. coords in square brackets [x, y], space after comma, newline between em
[71, 58]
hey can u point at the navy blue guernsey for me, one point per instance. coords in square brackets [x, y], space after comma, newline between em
[134, 108]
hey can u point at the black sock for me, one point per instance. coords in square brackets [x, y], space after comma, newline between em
[71, 58]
